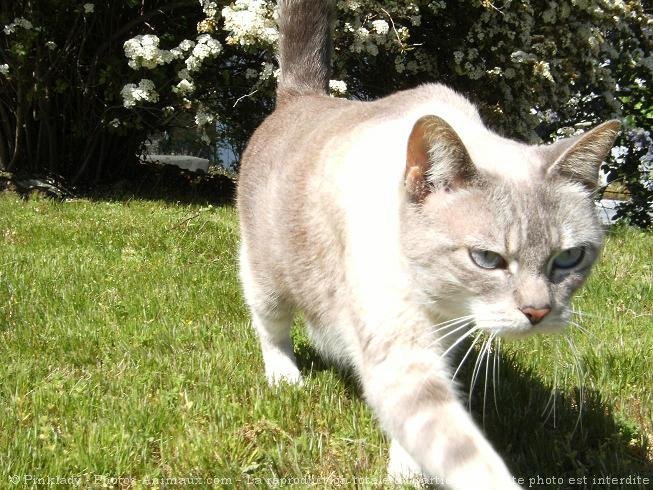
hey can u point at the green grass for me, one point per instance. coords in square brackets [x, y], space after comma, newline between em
[126, 353]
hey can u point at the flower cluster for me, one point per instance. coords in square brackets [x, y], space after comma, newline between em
[19, 22]
[143, 52]
[337, 87]
[529, 67]
[144, 91]
[250, 22]
[206, 47]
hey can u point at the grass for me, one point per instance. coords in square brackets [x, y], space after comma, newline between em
[127, 360]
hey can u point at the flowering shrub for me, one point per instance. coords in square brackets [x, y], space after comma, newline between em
[537, 69]
[62, 85]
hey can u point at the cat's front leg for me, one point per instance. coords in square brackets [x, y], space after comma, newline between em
[410, 391]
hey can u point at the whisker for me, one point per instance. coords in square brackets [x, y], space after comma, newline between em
[554, 390]
[487, 368]
[580, 313]
[429, 333]
[495, 368]
[459, 340]
[582, 329]
[581, 382]
[464, 325]
[460, 364]
[477, 369]
[447, 323]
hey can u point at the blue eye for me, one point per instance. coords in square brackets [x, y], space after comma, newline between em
[569, 258]
[487, 259]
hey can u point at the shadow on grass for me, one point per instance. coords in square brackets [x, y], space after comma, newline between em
[563, 448]
[167, 183]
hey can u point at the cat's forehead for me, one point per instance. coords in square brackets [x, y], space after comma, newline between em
[538, 218]
[527, 221]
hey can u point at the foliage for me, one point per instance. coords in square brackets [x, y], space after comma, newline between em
[537, 69]
[62, 70]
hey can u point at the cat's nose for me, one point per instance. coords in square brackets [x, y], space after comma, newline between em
[535, 315]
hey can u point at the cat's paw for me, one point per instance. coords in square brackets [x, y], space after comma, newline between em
[287, 374]
[402, 468]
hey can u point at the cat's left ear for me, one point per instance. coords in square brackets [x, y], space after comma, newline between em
[436, 159]
[579, 158]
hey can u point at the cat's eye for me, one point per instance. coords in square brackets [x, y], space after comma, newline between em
[569, 258]
[487, 259]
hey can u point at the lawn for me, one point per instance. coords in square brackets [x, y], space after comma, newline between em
[127, 360]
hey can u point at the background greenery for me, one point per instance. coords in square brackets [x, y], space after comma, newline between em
[537, 69]
[126, 352]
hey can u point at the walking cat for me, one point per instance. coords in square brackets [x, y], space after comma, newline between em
[385, 221]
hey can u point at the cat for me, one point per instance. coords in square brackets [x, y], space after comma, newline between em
[386, 222]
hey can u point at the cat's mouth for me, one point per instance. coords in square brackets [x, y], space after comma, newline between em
[519, 328]
[515, 323]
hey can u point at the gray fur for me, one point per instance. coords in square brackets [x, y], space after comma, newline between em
[304, 47]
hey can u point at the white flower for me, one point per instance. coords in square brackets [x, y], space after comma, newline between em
[51, 45]
[210, 8]
[267, 71]
[115, 122]
[4, 69]
[186, 45]
[202, 117]
[89, 8]
[18, 22]
[144, 91]
[381, 27]
[184, 87]
[206, 47]
[143, 52]
[543, 69]
[250, 22]
[521, 57]
[338, 86]
[362, 33]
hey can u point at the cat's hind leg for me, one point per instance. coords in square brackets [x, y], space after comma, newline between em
[272, 319]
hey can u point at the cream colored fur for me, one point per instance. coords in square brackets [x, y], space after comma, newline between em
[331, 227]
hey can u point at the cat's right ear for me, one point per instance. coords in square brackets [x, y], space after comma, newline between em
[436, 159]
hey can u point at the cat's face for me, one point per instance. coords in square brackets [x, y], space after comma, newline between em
[509, 254]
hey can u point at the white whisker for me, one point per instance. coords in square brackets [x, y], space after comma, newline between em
[477, 368]
[449, 323]
[581, 381]
[460, 364]
[551, 402]
[582, 329]
[487, 368]
[464, 325]
[496, 366]
[459, 340]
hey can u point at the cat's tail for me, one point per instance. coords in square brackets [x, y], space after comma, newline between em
[304, 48]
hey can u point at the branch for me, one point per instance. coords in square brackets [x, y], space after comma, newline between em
[139, 20]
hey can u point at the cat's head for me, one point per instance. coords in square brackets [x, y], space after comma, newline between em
[510, 252]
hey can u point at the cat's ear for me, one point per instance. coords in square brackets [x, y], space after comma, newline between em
[436, 158]
[579, 158]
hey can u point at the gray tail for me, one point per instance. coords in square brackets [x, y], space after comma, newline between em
[304, 48]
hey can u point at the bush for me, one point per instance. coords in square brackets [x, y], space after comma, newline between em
[62, 71]
[80, 97]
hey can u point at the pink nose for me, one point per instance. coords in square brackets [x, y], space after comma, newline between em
[535, 315]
